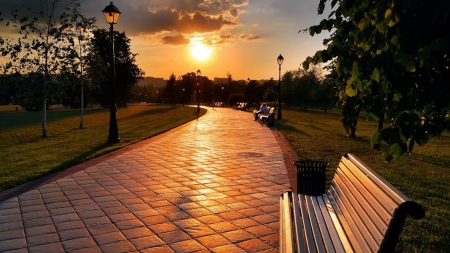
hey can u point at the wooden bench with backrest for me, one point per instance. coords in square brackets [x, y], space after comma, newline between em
[265, 118]
[360, 212]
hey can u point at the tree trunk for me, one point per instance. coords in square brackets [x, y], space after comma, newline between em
[82, 102]
[355, 122]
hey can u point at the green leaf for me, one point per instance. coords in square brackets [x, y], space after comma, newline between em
[387, 157]
[375, 75]
[394, 40]
[380, 27]
[398, 149]
[351, 92]
[359, 85]
[376, 139]
[396, 97]
[387, 13]
[306, 65]
[355, 69]
[408, 62]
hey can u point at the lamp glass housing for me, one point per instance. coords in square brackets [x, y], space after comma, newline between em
[111, 14]
[280, 59]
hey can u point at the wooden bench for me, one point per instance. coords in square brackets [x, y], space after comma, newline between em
[360, 212]
[265, 118]
[240, 106]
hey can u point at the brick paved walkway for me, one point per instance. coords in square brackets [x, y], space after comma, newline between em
[212, 185]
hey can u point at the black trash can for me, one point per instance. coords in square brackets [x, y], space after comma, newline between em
[311, 177]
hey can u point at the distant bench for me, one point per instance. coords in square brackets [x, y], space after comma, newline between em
[240, 106]
[268, 118]
[360, 212]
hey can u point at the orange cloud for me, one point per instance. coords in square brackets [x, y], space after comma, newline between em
[175, 40]
[249, 36]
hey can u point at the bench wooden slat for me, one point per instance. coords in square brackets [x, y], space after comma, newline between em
[334, 213]
[298, 224]
[307, 227]
[287, 244]
[323, 218]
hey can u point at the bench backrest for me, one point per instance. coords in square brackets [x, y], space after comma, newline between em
[371, 211]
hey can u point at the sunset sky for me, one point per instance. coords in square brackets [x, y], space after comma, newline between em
[242, 37]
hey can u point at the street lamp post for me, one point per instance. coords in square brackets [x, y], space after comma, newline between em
[280, 60]
[112, 16]
[221, 95]
[183, 96]
[199, 74]
[157, 94]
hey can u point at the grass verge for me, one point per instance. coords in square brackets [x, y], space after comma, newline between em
[423, 176]
[25, 155]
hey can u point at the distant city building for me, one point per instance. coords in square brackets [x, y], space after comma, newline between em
[152, 81]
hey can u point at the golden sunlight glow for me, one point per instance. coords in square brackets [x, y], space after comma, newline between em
[201, 52]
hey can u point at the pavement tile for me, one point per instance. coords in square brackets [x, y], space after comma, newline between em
[73, 233]
[198, 212]
[174, 236]
[40, 230]
[141, 243]
[12, 234]
[61, 211]
[108, 238]
[63, 226]
[65, 217]
[273, 239]
[260, 231]
[137, 232]
[118, 247]
[210, 219]
[15, 225]
[129, 224]
[10, 218]
[36, 215]
[42, 239]
[102, 229]
[158, 249]
[244, 222]
[236, 236]
[12, 244]
[79, 243]
[146, 213]
[187, 246]
[212, 241]
[254, 245]
[163, 227]
[265, 218]
[45, 248]
[227, 249]
[155, 219]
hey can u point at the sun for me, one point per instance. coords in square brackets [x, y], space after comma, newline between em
[201, 52]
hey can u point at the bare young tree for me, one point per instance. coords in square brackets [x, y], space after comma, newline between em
[41, 43]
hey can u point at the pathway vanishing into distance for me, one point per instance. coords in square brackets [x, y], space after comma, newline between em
[212, 185]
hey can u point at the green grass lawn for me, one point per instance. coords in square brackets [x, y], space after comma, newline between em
[423, 176]
[25, 155]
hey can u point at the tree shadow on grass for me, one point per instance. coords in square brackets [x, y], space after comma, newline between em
[55, 173]
[281, 125]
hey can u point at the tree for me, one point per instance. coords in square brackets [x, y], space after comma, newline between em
[394, 56]
[170, 88]
[127, 72]
[40, 46]
[80, 32]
